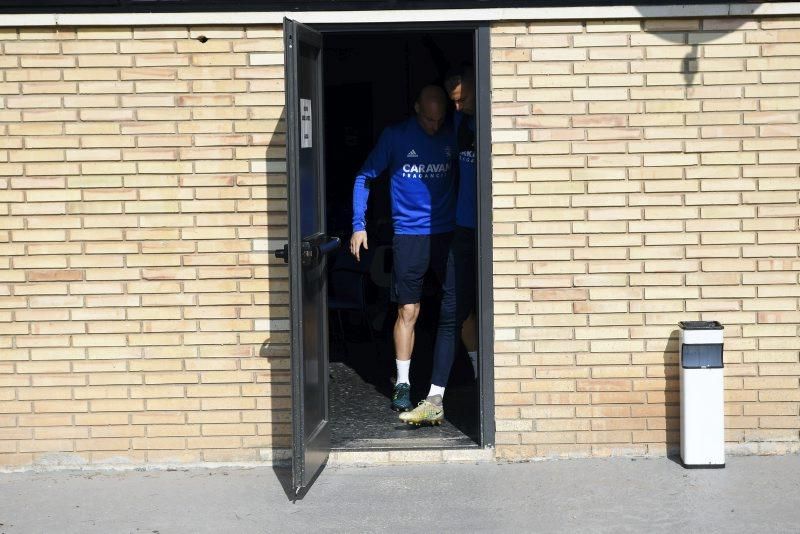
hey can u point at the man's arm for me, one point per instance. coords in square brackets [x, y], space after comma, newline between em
[377, 162]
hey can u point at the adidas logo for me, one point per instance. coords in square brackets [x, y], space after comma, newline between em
[412, 154]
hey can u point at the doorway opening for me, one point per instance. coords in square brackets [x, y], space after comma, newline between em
[371, 80]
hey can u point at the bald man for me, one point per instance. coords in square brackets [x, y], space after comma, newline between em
[419, 155]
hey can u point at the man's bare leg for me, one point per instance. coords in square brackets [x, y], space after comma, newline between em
[404, 330]
[469, 333]
[404, 344]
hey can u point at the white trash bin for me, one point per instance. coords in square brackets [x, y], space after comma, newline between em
[702, 394]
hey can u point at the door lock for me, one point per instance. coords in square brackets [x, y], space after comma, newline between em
[307, 253]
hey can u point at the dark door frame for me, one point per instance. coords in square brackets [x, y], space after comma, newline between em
[306, 257]
[484, 251]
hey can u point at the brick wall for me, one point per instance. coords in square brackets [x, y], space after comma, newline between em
[142, 180]
[645, 172]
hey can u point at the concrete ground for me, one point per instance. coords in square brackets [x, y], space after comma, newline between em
[753, 494]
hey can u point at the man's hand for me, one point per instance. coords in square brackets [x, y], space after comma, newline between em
[358, 238]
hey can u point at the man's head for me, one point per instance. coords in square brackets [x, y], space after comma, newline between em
[460, 86]
[430, 108]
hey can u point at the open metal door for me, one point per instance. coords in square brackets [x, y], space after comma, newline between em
[306, 253]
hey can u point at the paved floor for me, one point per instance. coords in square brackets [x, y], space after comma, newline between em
[753, 494]
[359, 415]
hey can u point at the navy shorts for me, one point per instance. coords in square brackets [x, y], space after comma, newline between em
[413, 256]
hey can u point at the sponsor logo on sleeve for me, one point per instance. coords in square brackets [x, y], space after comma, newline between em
[467, 156]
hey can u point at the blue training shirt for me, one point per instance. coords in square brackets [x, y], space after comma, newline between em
[467, 186]
[421, 170]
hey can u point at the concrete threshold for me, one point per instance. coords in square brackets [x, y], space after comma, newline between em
[405, 457]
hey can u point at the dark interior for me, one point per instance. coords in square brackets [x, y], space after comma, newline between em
[371, 80]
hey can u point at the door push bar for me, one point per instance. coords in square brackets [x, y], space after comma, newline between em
[308, 252]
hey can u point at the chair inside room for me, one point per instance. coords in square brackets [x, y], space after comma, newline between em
[348, 296]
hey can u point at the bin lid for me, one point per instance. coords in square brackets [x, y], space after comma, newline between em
[701, 325]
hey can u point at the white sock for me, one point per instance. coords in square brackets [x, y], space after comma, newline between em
[402, 371]
[473, 357]
[436, 390]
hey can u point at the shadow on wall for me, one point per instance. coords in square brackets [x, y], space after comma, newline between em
[672, 404]
[273, 232]
[271, 229]
[691, 32]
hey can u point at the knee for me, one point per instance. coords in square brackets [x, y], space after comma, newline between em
[408, 313]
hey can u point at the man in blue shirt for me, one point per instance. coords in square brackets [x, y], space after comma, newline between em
[457, 307]
[419, 155]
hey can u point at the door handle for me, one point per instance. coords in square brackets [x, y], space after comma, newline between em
[308, 252]
[329, 246]
[313, 253]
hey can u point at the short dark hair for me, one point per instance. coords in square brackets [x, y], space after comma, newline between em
[456, 76]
